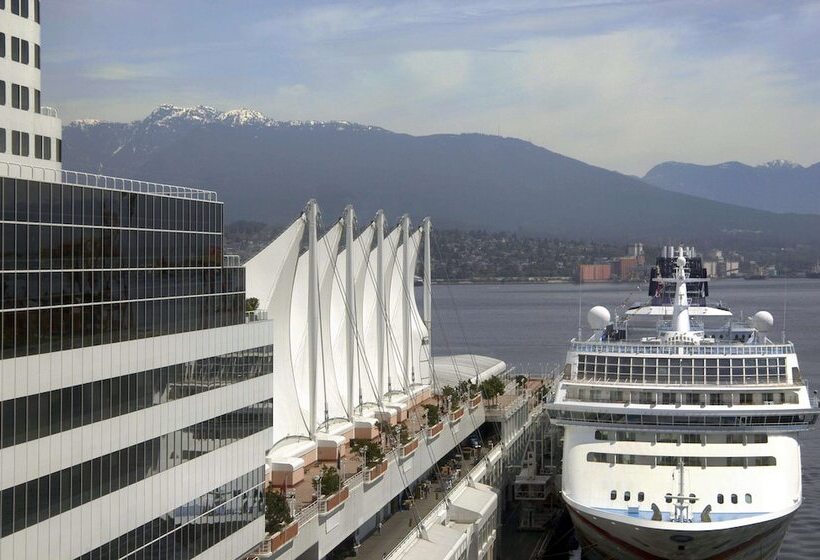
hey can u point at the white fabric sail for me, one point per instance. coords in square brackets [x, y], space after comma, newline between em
[340, 308]
[271, 278]
[327, 251]
[396, 293]
[372, 315]
[418, 330]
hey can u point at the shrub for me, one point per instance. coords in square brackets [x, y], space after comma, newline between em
[277, 511]
[251, 304]
[433, 414]
[375, 453]
[330, 481]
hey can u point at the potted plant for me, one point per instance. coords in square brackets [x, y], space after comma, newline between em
[278, 520]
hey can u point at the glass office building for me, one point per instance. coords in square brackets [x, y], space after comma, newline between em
[129, 378]
[135, 393]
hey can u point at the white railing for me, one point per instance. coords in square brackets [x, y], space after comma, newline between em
[704, 350]
[82, 179]
[48, 111]
[231, 261]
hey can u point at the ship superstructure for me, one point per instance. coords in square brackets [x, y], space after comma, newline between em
[680, 426]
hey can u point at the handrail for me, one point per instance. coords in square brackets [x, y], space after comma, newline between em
[48, 111]
[704, 350]
[83, 179]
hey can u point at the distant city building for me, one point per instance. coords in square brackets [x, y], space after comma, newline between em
[588, 273]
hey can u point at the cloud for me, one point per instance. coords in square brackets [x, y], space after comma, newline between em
[120, 72]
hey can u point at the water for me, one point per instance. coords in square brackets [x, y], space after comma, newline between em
[529, 326]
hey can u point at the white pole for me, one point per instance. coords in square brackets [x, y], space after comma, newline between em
[408, 293]
[428, 288]
[313, 311]
[382, 327]
[350, 217]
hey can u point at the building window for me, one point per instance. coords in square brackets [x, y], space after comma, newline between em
[24, 8]
[15, 142]
[38, 146]
[15, 49]
[2, 45]
[2, 140]
[24, 144]
[46, 147]
[59, 150]
[2, 92]
[36, 56]
[15, 96]
[37, 101]
[37, 11]
[24, 98]
[15, 7]
[24, 52]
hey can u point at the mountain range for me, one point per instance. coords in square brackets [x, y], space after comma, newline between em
[266, 169]
[778, 186]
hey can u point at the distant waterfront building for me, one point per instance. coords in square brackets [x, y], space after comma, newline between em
[135, 400]
[594, 273]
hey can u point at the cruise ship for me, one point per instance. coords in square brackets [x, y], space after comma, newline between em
[680, 426]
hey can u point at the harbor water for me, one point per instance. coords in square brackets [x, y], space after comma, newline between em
[529, 327]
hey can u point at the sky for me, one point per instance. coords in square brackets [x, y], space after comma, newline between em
[623, 84]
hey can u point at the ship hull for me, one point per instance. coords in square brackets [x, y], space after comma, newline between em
[603, 539]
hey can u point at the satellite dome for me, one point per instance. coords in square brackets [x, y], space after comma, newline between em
[762, 321]
[598, 317]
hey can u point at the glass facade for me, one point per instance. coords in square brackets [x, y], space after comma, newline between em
[39, 499]
[82, 266]
[193, 528]
[40, 415]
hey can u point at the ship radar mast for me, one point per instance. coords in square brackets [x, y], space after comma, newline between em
[680, 311]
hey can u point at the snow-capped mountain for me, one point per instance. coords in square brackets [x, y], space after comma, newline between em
[779, 185]
[265, 169]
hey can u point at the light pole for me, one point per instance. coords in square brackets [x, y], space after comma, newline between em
[318, 480]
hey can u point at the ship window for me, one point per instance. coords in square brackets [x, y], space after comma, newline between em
[24, 144]
[15, 49]
[720, 498]
[691, 438]
[692, 499]
[613, 495]
[667, 438]
[668, 398]
[15, 96]
[746, 398]
[626, 436]
[692, 398]
[36, 55]
[2, 92]
[714, 398]
[2, 140]
[640, 496]
[748, 498]
[2, 45]
[668, 498]
[627, 496]
[734, 498]
[24, 51]
[24, 98]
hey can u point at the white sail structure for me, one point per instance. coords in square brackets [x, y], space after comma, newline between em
[347, 317]
[326, 396]
[270, 277]
[350, 346]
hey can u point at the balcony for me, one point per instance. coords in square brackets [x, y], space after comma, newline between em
[329, 504]
[373, 474]
[434, 431]
[409, 449]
